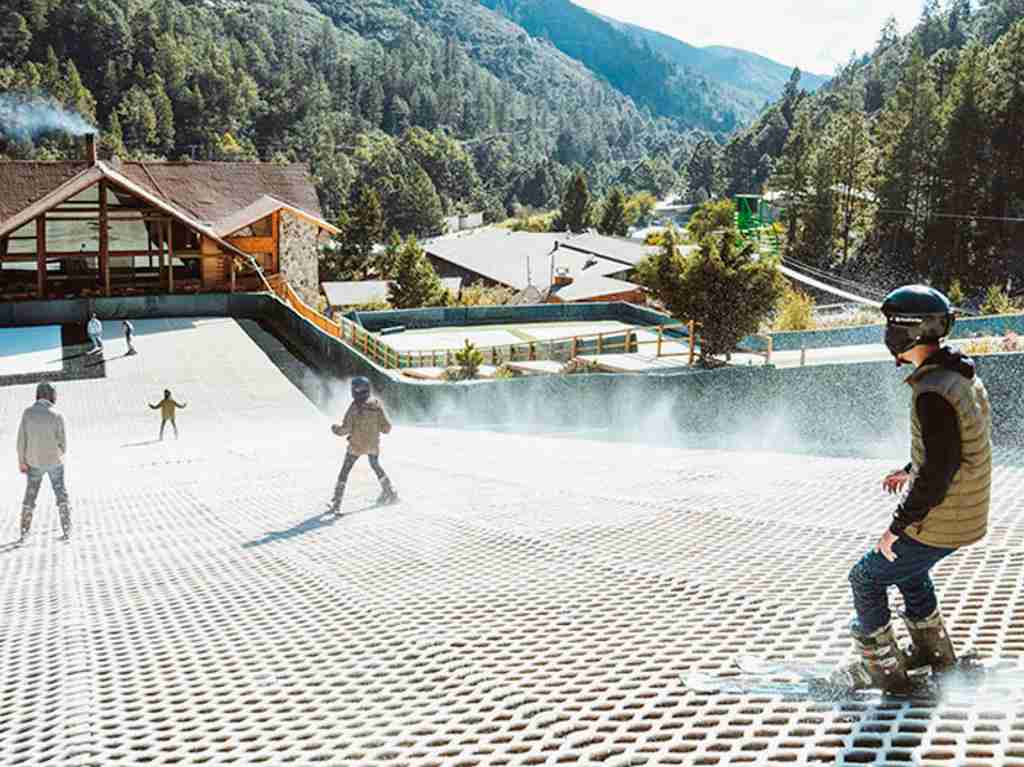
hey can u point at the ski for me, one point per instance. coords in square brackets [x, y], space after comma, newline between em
[817, 688]
[973, 678]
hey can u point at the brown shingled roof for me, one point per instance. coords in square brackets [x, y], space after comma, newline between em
[212, 191]
[24, 183]
[206, 191]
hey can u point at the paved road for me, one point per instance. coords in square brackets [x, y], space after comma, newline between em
[531, 601]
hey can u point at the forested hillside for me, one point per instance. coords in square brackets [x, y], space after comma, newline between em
[908, 165]
[746, 81]
[439, 107]
[628, 64]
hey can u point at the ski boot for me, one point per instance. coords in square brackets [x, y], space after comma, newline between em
[931, 645]
[334, 507]
[387, 495]
[881, 665]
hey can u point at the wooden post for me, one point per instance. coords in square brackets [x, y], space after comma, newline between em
[104, 241]
[170, 256]
[575, 346]
[494, 355]
[768, 358]
[160, 252]
[803, 355]
[661, 329]
[693, 340]
[600, 342]
[41, 256]
[231, 271]
[533, 352]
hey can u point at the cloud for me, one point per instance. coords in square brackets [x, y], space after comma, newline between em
[815, 35]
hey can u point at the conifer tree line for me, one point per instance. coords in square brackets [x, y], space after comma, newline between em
[371, 96]
[910, 164]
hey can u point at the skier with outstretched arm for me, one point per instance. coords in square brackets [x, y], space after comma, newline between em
[364, 422]
[946, 508]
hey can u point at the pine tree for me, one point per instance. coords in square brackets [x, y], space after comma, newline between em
[164, 111]
[963, 172]
[847, 143]
[791, 95]
[613, 217]
[704, 169]
[575, 213]
[418, 208]
[361, 228]
[907, 142]
[792, 174]
[414, 283]
[138, 120]
[15, 38]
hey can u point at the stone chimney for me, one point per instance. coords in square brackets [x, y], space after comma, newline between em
[90, 148]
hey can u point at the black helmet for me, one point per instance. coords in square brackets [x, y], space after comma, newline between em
[360, 389]
[915, 314]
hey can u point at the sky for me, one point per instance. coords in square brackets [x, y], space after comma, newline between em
[815, 35]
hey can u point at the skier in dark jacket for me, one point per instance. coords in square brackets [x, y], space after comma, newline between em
[364, 422]
[947, 505]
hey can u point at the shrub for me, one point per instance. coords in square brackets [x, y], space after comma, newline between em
[479, 294]
[578, 366]
[719, 285]
[796, 311]
[467, 363]
[955, 294]
[997, 302]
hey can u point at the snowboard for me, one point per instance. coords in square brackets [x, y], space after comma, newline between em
[998, 681]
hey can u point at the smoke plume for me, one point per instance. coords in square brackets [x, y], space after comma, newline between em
[27, 117]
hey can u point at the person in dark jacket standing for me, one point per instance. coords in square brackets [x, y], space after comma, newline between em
[42, 443]
[946, 507]
[364, 422]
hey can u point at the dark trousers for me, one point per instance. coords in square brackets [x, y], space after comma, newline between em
[873, 574]
[164, 422]
[350, 461]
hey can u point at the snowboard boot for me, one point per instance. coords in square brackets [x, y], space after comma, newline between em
[334, 508]
[930, 643]
[881, 665]
[387, 493]
[26, 522]
[65, 520]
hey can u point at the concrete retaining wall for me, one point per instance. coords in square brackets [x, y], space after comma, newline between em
[838, 409]
[854, 409]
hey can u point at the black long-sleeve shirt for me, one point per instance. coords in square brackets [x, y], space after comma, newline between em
[940, 431]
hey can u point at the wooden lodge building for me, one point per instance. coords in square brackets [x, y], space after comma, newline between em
[113, 228]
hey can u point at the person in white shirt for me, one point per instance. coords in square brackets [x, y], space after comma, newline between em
[42, 443]
[94, 329]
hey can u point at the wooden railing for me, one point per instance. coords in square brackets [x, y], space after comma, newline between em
[623, 341]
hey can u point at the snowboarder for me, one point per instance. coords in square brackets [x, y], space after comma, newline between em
[94, 329]
[42, 443]
[945, 508]
[168, 406]
[129, 331]
[364, 422]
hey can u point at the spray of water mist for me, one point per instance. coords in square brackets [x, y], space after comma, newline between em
[29, 116]
[847, 413]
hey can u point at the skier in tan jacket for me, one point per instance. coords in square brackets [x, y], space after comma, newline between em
[364, 422]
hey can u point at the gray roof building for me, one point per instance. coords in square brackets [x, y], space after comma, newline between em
[522, 259]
